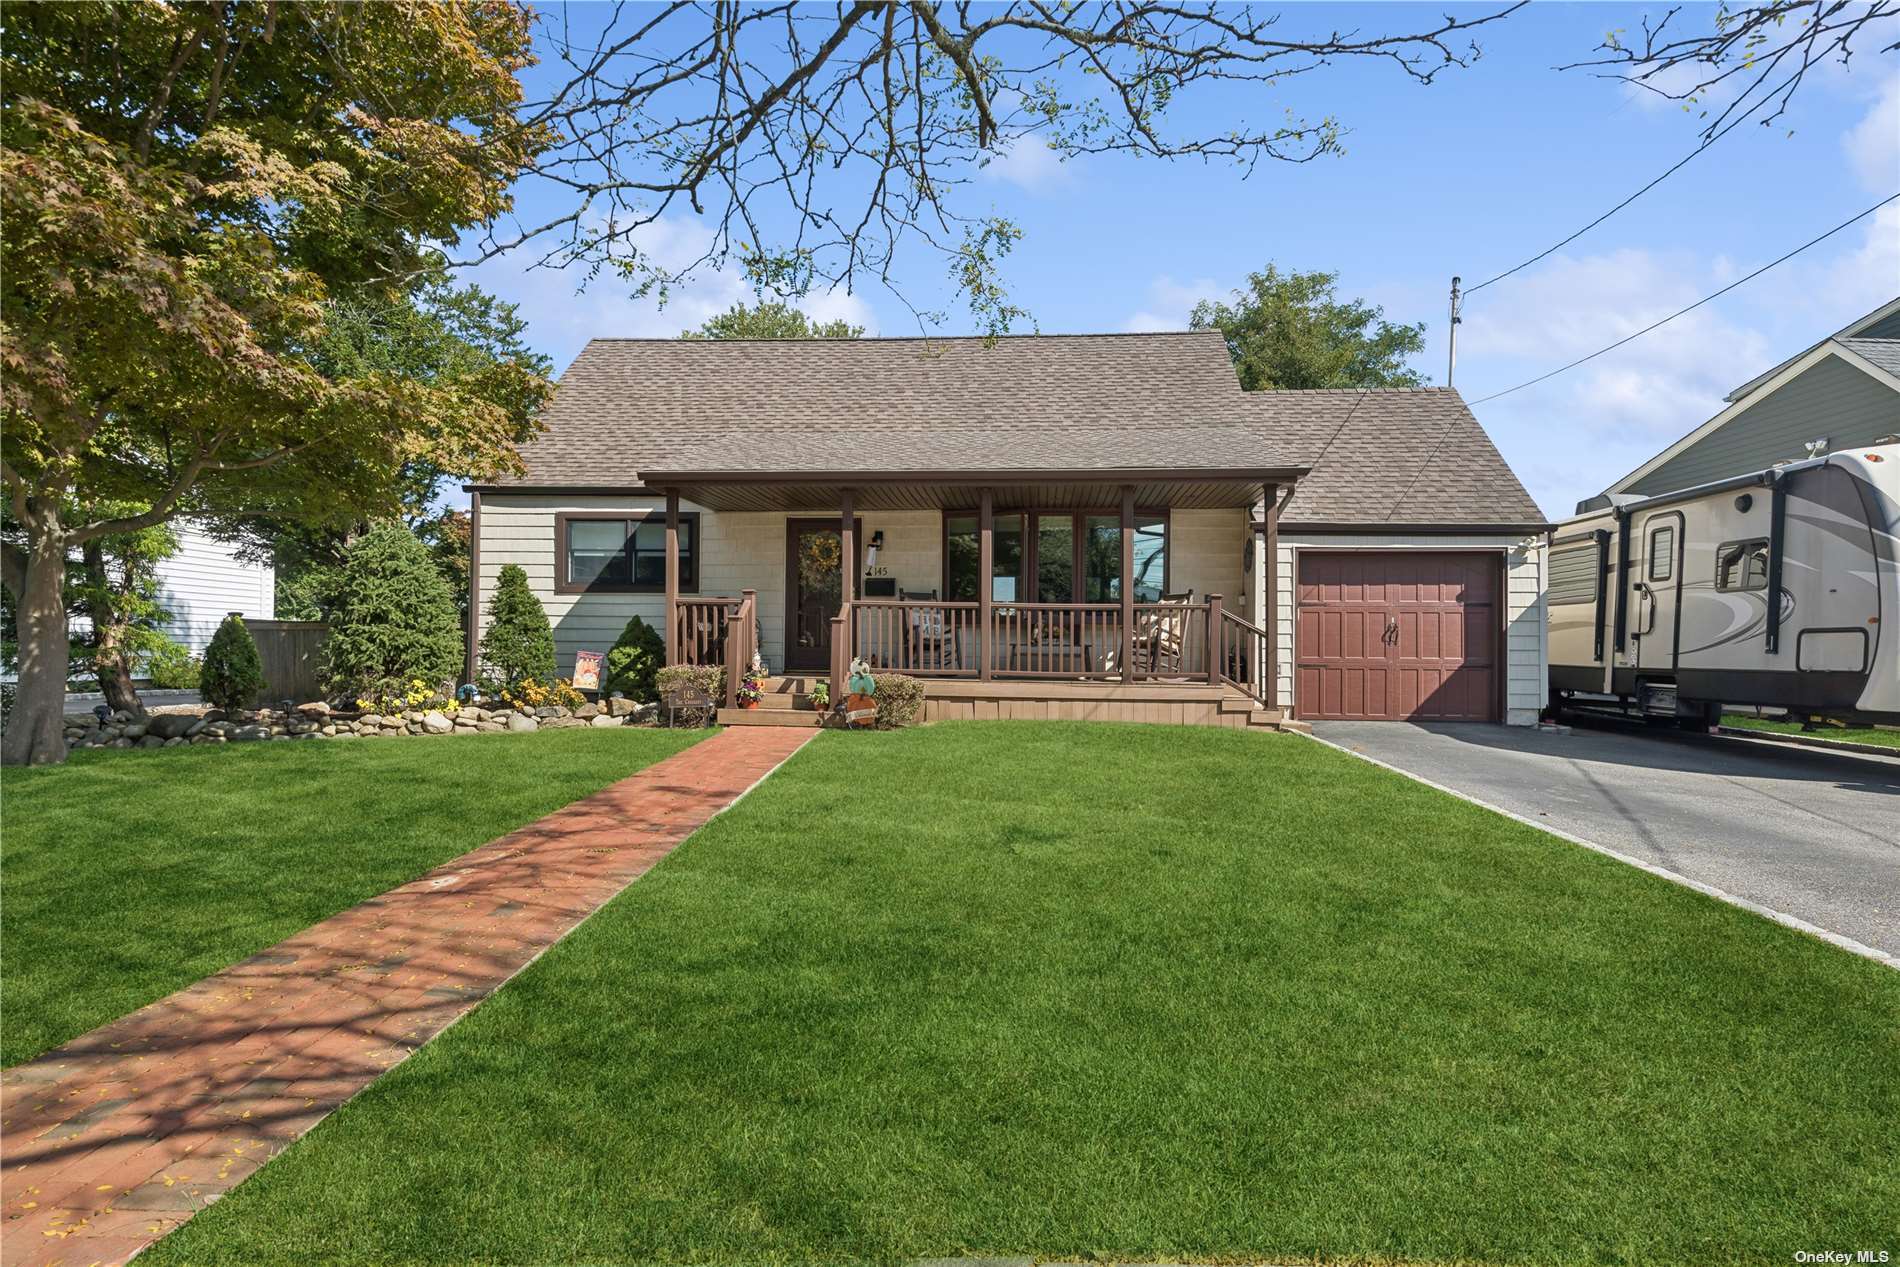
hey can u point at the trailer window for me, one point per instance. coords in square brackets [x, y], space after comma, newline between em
[1573, 574]
[1662, 553]
[1742, 565]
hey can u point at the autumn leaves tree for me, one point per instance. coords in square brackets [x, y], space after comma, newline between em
[194, 196]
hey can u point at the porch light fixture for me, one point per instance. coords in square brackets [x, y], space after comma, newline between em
[870, 554]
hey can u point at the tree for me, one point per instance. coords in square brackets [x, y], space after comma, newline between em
[519, 643]
[117, 590]
[819, 142]
[395, 618]
[634, 662]
[233, 674]
[1753, 55]
[771, 320]
[1287, 331]
[192, 197]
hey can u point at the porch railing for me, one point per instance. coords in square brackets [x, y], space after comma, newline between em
[742, 633]
[700, 628]
[1244, 654]
[1052, 641]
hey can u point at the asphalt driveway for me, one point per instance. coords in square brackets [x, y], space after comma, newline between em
[1811, 834]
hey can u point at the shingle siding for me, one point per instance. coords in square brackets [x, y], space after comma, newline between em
[1832, 399]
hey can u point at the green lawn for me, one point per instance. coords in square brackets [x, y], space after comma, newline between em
[127, 875]
[1138, 992]
[1843, 734]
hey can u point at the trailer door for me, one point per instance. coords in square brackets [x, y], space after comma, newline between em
[1657, 563]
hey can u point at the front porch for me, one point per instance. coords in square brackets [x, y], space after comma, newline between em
[1002, 634]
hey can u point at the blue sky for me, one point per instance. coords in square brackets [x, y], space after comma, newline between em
[1468, 175]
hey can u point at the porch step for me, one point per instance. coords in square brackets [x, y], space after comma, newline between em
[768, 717]
[783, 700]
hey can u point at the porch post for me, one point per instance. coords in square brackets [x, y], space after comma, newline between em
[672, 576]
[985, 590]
[1270, 550]
[848, 568]
[1128, 582]
[1214, 632]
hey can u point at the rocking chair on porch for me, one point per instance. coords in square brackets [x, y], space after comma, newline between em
[1160, 635]
[933, 644]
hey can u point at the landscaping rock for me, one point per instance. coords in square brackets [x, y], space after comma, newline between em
[245, 734]
[171, 725]
[491, 726]
[468, 714]
[550, 711]
[604, 722]
[316, 708]
[620, 706]
[151, 741]
[587, 712]
[435, 723]
[134, 730]
[198, 725]
[370, 719]
[521, 723]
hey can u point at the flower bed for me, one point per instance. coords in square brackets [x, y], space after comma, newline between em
[319, 721]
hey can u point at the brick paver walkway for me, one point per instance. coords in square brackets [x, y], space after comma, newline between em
[119, 1136]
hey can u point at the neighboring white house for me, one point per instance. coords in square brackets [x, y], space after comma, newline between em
[206, 581]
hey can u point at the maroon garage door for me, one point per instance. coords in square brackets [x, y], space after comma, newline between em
[1401, 635]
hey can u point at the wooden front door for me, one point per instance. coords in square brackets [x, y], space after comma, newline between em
[1404, 635]
[814, 587]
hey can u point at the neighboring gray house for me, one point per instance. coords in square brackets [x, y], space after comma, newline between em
[1842, 392]
[1335, 553]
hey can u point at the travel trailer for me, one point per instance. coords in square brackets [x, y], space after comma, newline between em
[1663, 604]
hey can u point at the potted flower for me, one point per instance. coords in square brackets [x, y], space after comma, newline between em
[821, 696]
[860, 704]
[752, 685]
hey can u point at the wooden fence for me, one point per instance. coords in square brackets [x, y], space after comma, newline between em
[292, 654]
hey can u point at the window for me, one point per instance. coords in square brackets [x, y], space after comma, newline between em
[1574, 574]
[1742, 565]
[1662, 552]
[622, 554]
[1056, 557]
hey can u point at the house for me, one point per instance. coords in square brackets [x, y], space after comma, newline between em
[207, 580]
[1326, 554]
[1841, 393]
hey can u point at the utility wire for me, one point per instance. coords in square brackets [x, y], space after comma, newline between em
[1726, 129]
[1697, 304]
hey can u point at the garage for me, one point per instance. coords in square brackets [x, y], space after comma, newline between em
[1399, 635]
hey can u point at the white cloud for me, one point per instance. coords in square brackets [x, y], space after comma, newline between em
[1873, 146]
[564, 309]
[1028, 163]
[1169, 302]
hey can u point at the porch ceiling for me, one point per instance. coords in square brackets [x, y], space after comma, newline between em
[954, 490]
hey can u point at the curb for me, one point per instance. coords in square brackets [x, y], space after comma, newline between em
[1809, 741]
[1721, 895]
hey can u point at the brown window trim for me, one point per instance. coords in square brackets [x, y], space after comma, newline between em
[689, 584]
[1030, 562]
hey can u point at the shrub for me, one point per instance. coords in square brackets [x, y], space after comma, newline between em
[395, 617]
[170, 666]
[634, 662]
[519, 643]
[900, 700]
[232, 675]
[391, 696]
[532, 693]
[710, 678]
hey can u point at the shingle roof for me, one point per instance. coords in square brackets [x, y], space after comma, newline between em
[1882, 352]
[1399, 456]
[627, 407]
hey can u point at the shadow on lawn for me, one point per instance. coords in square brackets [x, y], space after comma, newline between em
[121, 1134]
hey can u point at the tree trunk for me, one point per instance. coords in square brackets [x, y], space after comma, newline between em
[35, 733]
[109, 633]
